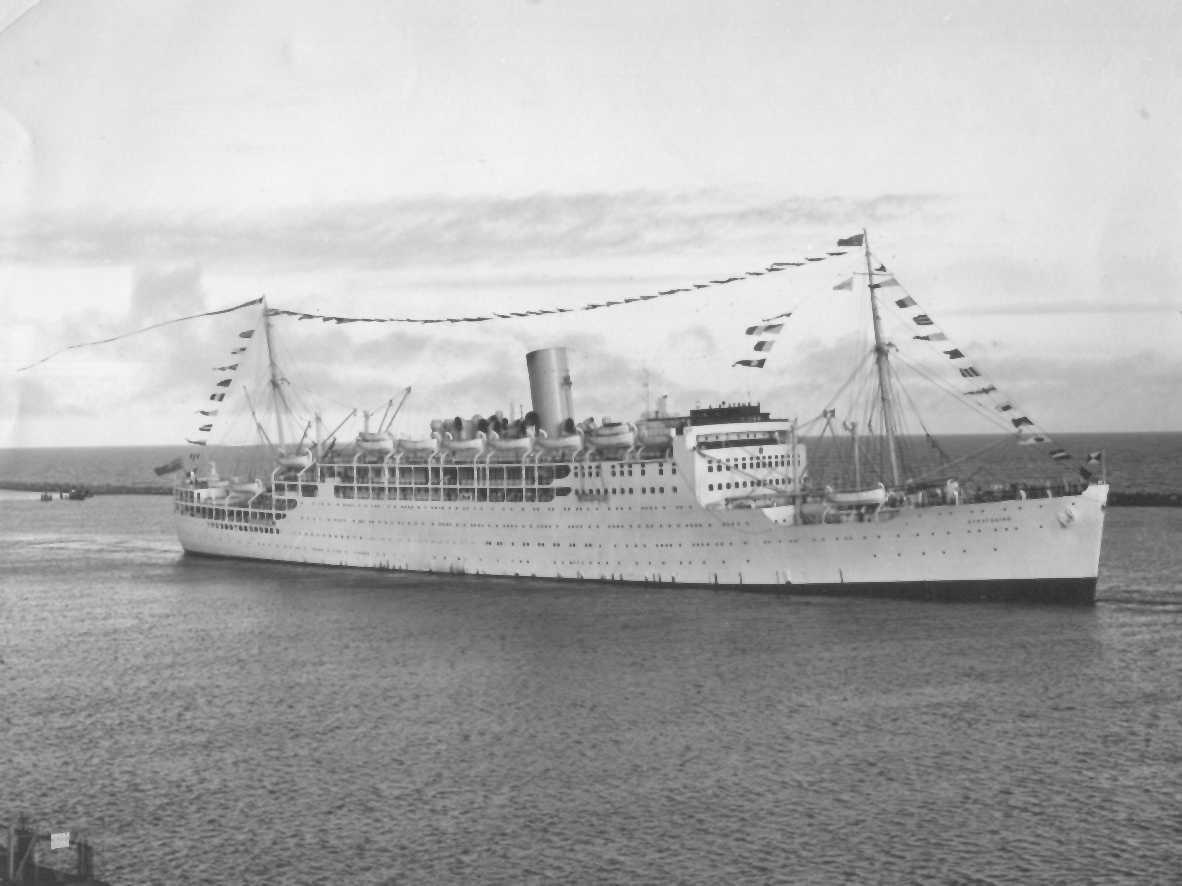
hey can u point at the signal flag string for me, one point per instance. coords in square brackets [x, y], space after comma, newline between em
[103, 341]
[772, 268]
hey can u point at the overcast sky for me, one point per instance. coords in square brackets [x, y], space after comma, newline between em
[1017, 165]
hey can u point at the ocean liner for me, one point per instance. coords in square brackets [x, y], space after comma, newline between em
[724, 496]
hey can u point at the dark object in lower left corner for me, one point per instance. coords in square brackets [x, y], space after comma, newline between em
[20, 858]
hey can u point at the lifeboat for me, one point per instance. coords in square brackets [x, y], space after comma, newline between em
[510, 444]
[562, 443]
[474, 446]
[427, 444]
[216, 487]
[875, 497]
[301, 458]
[375, 441]
[653, 433]
[240, 493]
[218, 490]
[613, 435]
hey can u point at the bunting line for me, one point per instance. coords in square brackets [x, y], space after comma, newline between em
[769, 328]
[1029, 433]
[770, 268]
[219, 396]
[103, 341]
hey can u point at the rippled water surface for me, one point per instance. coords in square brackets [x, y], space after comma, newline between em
[220, 722]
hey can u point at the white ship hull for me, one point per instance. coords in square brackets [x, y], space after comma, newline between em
[721, 496]
[1034, 549]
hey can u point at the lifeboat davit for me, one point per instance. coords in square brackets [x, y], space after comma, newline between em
[375, 441]
[250, 487]
[473, 446]
[613, 435]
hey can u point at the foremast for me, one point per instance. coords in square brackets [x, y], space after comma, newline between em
[882, 364]
[278, 398]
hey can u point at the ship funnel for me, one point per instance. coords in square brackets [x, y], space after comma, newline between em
[550, 387]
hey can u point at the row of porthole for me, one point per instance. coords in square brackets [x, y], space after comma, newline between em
[535, 528]
[597, 470]
[712, 467]
[604, 563]
[660, 471]
[613, 526]
[917, 535]
[745, 484]
[223, 514]
[348, 504]
[244, 527]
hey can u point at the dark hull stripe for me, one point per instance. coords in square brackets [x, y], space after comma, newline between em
[1059, 591]
[1062, 591]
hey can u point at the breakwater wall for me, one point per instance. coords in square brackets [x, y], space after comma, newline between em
[1145, 499]
[56, 489]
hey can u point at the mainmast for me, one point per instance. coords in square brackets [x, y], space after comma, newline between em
[278, 399]
[882, 362]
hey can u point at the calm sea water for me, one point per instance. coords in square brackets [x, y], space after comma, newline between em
[221, 722]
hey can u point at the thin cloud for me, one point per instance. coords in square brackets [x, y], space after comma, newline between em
[445, 231]
[162, 292]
